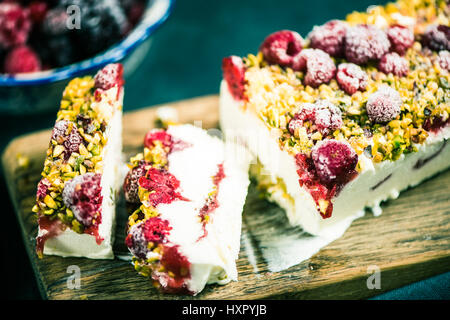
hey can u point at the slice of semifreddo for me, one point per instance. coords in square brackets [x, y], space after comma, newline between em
[75, 200]
[189, 189]
[347, 118]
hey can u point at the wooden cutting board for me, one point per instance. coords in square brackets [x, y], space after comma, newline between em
[410, 241]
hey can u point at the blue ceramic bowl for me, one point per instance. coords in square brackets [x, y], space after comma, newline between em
[39, 92]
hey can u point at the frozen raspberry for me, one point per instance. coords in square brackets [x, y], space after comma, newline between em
[384, 105]
[163, 183]
[393, 63]
[158, 135]
[328, 117]
[319, 66]
[22, 59]
[153, 230]
[364, 43]
[109, 76]
[281, 47]
[15, 25]
[329, 37]
[42, 189]
[131, 183]
[70, 140]
[38, 10]
[83, 196]
[59, 131]
[351, 78]
[324, 116]
[306, 113]
[334, 161]
[401, 38]
[437, 37]
[234, 74]
[444, 60]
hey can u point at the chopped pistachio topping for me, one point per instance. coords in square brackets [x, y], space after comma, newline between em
[62, 164]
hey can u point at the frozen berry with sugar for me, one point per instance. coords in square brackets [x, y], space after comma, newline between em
[437, 37]
[329, 37]
[83, 196]
[334, 161]
[401, 38]
[66, 134]
[319, 66]
[364, 43]
[154, 230]
[109, 76]
[393, 63]
[384, 105]
[324, 116]
[351, 78]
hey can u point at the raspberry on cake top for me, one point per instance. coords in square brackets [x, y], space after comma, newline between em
[354, 93]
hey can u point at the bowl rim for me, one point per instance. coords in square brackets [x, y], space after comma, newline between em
[155, 15]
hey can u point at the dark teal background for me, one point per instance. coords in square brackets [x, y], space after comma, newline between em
[184, 62]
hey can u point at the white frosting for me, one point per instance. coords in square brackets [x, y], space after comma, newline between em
[70, 243]
[355, 196]
[213, 257]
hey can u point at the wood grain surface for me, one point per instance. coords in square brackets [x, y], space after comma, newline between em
[410, 241]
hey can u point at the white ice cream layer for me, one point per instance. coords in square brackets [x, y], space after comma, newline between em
[391, 176]
[213, 257]
[72, 244]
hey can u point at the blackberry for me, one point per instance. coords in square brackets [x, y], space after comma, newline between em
[55, 43]
[437, 37]
[103, 23]
[131, 182]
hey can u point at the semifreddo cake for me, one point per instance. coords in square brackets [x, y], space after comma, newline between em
[189, 189]
[75, 199]
[348, 117]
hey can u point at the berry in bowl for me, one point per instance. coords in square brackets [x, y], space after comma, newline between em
[43, 44]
